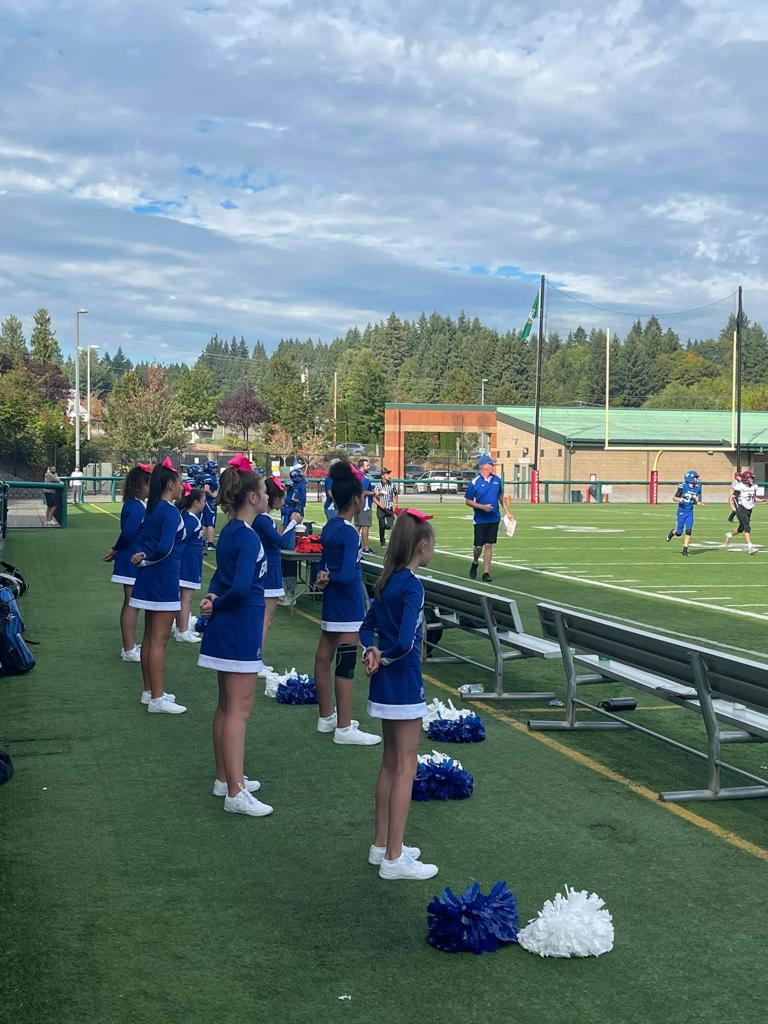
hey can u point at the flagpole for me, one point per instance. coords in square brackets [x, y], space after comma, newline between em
[537, 399]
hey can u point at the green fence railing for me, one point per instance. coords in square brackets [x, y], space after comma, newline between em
[28, 502]
[601, 491]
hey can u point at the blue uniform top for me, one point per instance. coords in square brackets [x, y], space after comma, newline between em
[343, 604]
[131, 522]
[487, 492]
[689, 496]
[393, 620]
[213, 484]
[193, 549]
[163, 536]
[329, 502]
[273, 542]
[240, 568]
[298, 498]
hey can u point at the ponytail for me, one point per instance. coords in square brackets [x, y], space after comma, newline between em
[162, 475]
[345, 484]
[135, 481]
[188, 499]
[407, 533]
[235, 486]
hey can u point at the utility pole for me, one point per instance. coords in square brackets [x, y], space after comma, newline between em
[537, 399]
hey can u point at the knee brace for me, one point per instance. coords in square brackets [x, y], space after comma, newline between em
[346, 656]
[688, 532]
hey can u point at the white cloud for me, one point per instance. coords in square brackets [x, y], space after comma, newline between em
[352, 150]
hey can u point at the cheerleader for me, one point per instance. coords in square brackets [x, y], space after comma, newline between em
[191, 505]
[274, 543]
[341, 582]
[135, 491]
[391, 636]
[157, 584]
[210, 486]
[232, 637]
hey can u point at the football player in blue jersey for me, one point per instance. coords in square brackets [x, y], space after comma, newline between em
[687, 496]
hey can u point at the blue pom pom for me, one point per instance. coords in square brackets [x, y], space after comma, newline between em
[298, 689]
[441, 780]
[473, 922]
[468, 729]
[200, 624]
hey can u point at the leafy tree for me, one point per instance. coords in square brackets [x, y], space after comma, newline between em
[243, 409]
[44, 348]
[12, 341]
[364, 388]
[195, 399]
[288, 397]
[139, 418]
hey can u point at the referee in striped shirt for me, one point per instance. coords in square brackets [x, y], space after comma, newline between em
[385, 499]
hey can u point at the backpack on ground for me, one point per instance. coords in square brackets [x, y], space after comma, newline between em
[11, 577]
[15, 656]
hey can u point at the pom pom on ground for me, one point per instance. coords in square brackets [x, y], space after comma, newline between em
[577, 924]
[440, 777]
[474, 922]
[275, 679]
[446, 723]
[297, 689]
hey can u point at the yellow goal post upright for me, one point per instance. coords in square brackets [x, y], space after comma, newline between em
[734, 446]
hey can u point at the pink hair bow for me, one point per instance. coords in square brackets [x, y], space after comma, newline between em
[144, 466]
[278, 482]
[415, 513]
[187, 487]
[241, 463]
[167, 462]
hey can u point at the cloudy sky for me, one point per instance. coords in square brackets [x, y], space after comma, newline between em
[287, 167]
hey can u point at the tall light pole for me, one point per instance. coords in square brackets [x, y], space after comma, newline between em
[483, 382]
[88, 390]
[78, 314]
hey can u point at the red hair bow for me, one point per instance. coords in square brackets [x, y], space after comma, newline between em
[145, 467]
[167, 462]
[241, 463]
[187, 487]
[415, 513]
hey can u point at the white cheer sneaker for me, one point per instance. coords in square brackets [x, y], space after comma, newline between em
[134, 655]
[376, 853]
[146, 696]
[244, 803]
[220, 788]
[165, 706]
[353, 735]
[406, 867]
[188, 637]
[327, 724]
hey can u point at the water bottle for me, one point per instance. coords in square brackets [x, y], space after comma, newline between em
[471, 689]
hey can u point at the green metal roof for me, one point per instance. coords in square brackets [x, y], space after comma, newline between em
[586, 427]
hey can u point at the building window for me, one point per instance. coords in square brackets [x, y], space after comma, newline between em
[559, 453]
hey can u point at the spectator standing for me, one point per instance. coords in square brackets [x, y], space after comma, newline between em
[76, 483]
[485, 496]
[385, 495]
[363, 518]
[51, 477]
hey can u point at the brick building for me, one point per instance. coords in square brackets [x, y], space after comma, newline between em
[572, 452]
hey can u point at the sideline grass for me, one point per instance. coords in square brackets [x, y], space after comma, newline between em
[129, 896]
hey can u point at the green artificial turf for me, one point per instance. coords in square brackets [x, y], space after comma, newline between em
[129, 896]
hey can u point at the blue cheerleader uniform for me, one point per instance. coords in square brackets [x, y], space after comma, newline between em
[343, 601]
[210, 510]
[393, 624]
[232, 637]
[157, 584]
[274, 543]
[129, 542]
[191, 571]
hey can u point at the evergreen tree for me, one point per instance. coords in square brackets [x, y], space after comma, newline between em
[12, 340]
[44, 348]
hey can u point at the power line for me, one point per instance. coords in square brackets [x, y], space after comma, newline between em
[640, 316]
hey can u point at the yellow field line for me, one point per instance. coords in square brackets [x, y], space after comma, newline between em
[607, 773]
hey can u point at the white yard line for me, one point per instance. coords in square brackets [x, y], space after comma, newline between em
[623, 589]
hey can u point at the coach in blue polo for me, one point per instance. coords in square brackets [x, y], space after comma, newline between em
[485, 495]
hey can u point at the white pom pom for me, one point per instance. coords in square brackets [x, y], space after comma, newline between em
[577, 924]
[274, 679]
[436, 709]
[437, 758]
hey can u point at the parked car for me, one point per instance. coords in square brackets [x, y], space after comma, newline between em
[352, 448]
[437, 481]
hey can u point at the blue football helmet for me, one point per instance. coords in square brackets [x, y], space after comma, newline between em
[691, 478]
[210, 466]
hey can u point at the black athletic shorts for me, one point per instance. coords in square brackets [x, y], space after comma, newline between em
[486, 533]
[743, 515]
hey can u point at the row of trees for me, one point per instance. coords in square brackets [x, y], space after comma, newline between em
[287, 398]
